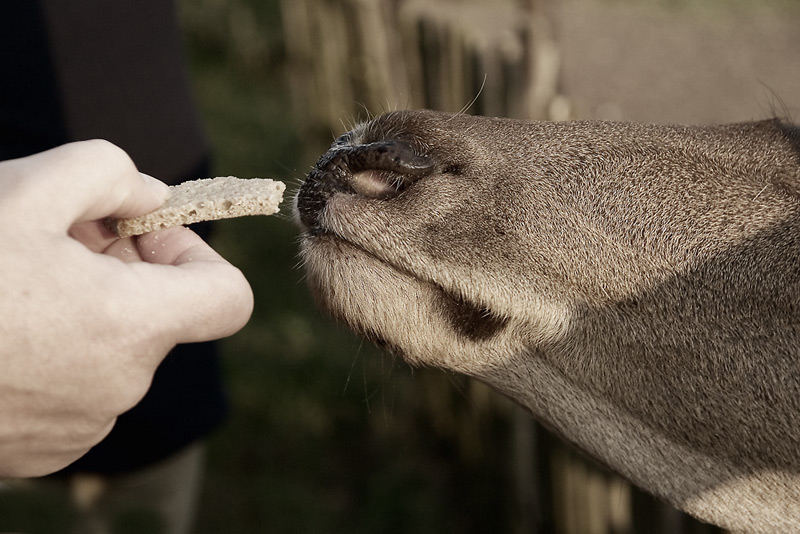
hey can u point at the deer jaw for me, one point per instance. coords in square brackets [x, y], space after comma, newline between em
[634, 286]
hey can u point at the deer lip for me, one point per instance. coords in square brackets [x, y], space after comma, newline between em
[471, 320]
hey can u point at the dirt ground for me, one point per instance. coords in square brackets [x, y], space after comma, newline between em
[682, 61]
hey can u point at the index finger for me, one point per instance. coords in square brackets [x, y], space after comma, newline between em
[192, 288]
[81, 181]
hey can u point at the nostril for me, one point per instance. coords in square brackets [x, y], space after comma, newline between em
[375, 170]
[389, 156]
[375, 184]
[385, 169]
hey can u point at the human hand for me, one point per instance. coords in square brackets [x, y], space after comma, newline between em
[85, 317]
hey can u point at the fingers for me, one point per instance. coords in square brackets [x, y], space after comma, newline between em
[175, 246]
[180, 283]
[93, 234]
[191, 288]
[124, 249]
[96, 236]
[83, 181]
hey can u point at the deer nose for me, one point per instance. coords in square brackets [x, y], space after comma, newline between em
[375, 170]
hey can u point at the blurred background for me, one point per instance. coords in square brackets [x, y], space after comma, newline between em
[326, 433]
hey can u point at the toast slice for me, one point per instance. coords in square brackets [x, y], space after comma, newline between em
[209, 199]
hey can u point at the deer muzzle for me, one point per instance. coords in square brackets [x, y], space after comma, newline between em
[379, 170]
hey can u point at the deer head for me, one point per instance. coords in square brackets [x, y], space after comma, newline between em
[635, 286]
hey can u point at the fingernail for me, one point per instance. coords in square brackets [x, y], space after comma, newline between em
[157, 186]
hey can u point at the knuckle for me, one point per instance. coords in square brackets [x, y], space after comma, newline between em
[129, 393]
[104, 152]
[100, 432]
[119, 384]
[86, 432]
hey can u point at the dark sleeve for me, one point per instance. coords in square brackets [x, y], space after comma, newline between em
[30, 109]
[98, 69]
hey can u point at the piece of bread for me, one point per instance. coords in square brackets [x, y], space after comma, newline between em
[206, 200]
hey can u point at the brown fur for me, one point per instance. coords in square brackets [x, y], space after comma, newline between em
[635, 286]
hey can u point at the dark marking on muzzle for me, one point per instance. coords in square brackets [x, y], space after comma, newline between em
[473, 322]
[334, 170]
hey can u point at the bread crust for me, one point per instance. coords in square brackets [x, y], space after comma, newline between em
[208, 199]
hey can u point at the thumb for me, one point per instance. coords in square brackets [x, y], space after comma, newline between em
[82, 181]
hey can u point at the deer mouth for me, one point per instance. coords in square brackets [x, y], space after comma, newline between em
[358, 282]
[379, 170]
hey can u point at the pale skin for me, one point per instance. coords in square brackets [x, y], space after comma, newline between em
[85, 317]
